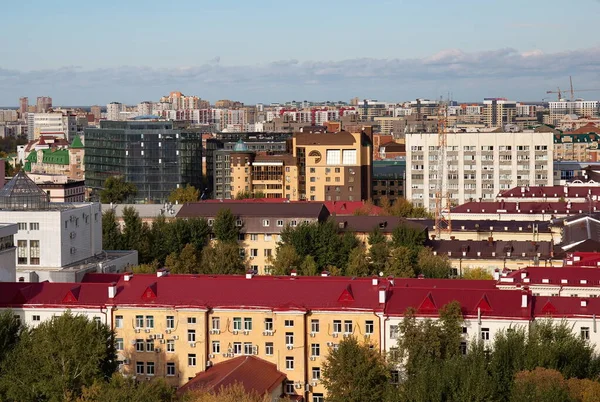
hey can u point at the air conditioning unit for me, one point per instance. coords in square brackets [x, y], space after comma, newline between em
[246, 332]
[168, 331]
[347, 335]
[290, 347]
[225, 354]
[312, 334]
[157, 350]
[211, 356]
[335, 335]
[71, 218]
[133, 342]
[298, 385]
[314, 383]
[235, 332]
[147, 330]
[162, 341]
[192, 344]
[229, 350]
[73, 250]
[158, 336]
[176, 337]
[266, 333]
[330, 344]
[209, 363]
[254, 350]
[72, 235]
[313, 358]
[126, 361]
[251, 257]
[137, 330]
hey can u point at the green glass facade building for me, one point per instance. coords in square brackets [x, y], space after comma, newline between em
[149, 153]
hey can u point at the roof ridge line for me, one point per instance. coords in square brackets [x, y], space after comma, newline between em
[233, 369]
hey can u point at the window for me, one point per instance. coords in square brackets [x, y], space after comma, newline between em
[393, 332]
[119, 321]
[267, 250]
[150, 368]
[237, 323]
[289, 323]
[280, 223]
[337, 326]
[395, 377]
[170, 322]
[139, 321]
[247, 348]
[119, 343]
[191, 359]
[348, 327]
[36, 318]
[150, 321]
[22, 225]
[289, 387]
[316, 373]
[34, 226]
[253, 252]
[485, 334]
[585, 333]
[248, 324]
[269, 348]
[293, 223]
[289, 338]
[216, 323]
[315, 349]
[216, 347]
[139, 345]
[139, 368]
[268, 324]
[463, 348]
[268, 237]
[265, 222]
[289, 362]
[170, 369]
[237, 348]
[34, 252]
[314, 325]
[191, 335]
[369, 327]
[191, 320]
[21, 251]
[149, 345]
[253, 237]
[349, 157]
[318, 398]
[170, 346]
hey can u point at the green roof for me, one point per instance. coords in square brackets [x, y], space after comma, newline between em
[32, 157]
[27, 166]
[60, 157]
[76, 144]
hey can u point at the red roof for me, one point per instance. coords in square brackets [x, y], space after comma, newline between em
[563, 307]
[235, 291]
[588, 128]
[551, 191]
[254, 374]
[526, 207]
[566, 276]
[426, 283]
[71, 295]
[487, 302]
[349, 207]
[101, 278]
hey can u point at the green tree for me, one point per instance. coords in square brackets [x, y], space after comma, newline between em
[355, 372]
[433, 266]
[10, 330]
[184, 194]
[358, 263]
[232, 393]
[111, 233]
[127, 389]
[224, 226]
[150, 268]
[244, 195]
[404, 235]
[400, 263]
[186, 262]
[477, 273]
[286, 260]
[136, 235]
[376, 237]
[222, 258]
[309, 267]
[540, 385]
[57, 359]
[117, 190]
[379, 254]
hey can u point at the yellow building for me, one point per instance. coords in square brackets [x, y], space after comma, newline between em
[173, 327]
[334, 166]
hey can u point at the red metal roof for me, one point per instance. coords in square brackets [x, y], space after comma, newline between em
[349, 207]
[564, 307]
[488, 302]
[551, 191]
[526, 207]
[565, 276]
[70, 295]
[254, 374]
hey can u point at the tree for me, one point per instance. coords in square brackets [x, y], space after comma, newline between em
[358, 263]
[584, 390]
[127, 389]
[184, 194]
[379, 254]
[146, 268]
[309, 266]
[224, 226]
[355, 372]
[222, 258]
[404, 235]
[117, 190]
[476, 273]
[433, 266]
[233, 393]
[111, 233]
[10, 330]
[244, 195]
[286, 260]
[186, 262]
[399, 263]
[540, 385]
[376, 237]
[57, 359]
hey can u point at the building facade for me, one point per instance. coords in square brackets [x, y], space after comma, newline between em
[151, 154]
[477, 165]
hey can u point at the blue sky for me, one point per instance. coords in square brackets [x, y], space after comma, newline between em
[266, 51]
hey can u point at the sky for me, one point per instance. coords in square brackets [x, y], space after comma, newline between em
[96, 52]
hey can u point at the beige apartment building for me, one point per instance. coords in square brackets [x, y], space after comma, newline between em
[334, 166]
[498, 111]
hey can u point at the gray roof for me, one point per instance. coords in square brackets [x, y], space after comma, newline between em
[22, 194]
[145, 210]
[254, 209]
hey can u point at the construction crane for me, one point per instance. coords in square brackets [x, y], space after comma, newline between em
[572, 91]
[443, 223]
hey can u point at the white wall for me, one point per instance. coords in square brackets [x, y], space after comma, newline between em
[27, 314]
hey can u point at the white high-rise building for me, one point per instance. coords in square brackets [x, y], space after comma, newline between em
[54, 124]
[144, 108]
[114, 111]
[477, 165]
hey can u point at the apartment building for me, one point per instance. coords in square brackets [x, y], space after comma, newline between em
[260, 224]
[578, 145]
[51, 124]
[581, 108]
[114, 111]
[477, 165]
[497, 112]
[51, 156]
[333, 166]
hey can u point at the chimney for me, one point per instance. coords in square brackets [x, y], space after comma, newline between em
[112, 290]
[249, 274]
[162, 272]
[375, 281]
[325, 273]
[382, 295]
[583, 303]
[294, 273]
[524, 297]
[496, 274]
[128, 276]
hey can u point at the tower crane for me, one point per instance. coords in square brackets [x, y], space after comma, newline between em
[572, 91]
[443, 223]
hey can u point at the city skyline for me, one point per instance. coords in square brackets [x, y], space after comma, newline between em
[255, 53]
